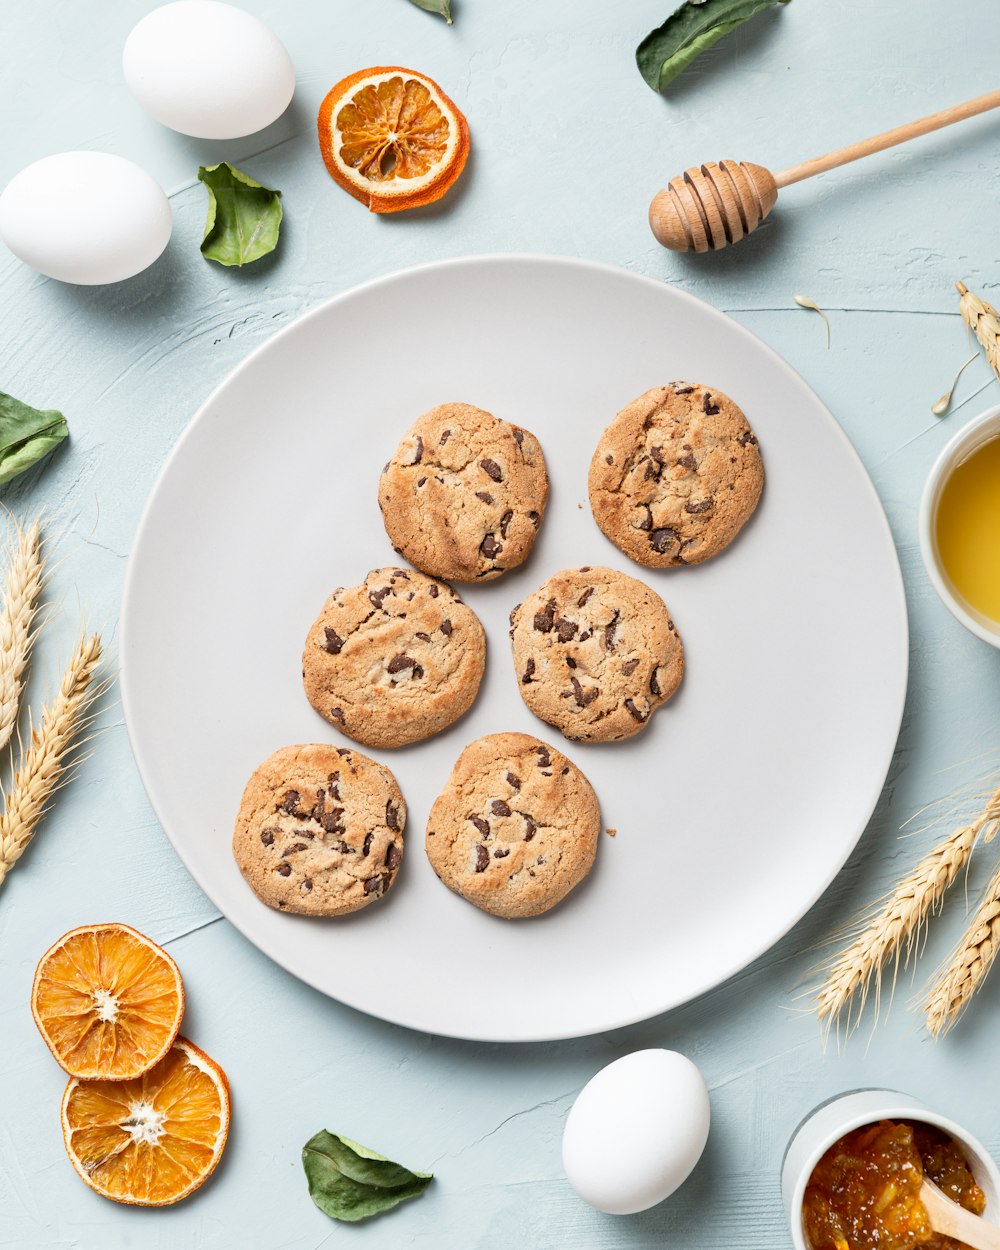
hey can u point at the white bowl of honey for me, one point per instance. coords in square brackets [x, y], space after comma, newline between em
[960, 526]
[852, 1173]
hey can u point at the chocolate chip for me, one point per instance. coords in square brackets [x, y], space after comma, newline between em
[634, 711]
[392, 857]
[746, 437]
[514, 781]
[374, 884]
[376, 596]
[499, 808]
[367, 845]
[432, 591]
[660, 540]
[267, 836]
[629, 667]
[446, 627]
[338, 714]
[482, 825]
[492, 469]
[518, 436]
[566, 629]
[587, 633]
[500, 854]
[688, 462]
[392, 816]
[343, 848]
[702, 505]
[482, 858]
[609, 459]
[400, 662]
[544, 758]
[334, 643]
[529, 671]
[534, 518]
[291, 802]
[609, 634]
[540, 859]
[682, 388]
[344, 751]
[421, 480]
[505, 520]
[329, 820]
[584, 697]
[656, 453]
[420, 450]
[418, 672]
[647, 521]
[585, 596]
[530, 828]
[584, 568]
[294, 848]
[654, 685]
[484, 495]
[284, 870]
[444, 437]
[708, 407]
[652, 469]
[422, 636]
[570, 662]
[306, 885]
[490, 547]
[544, 619]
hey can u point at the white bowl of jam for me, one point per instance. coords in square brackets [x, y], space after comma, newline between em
[960, 526]
[852, 1173]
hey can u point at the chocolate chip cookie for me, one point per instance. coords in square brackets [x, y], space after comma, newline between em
[464, 495]
[676, 475]
[596, 653]
[515, 828]
[395, 659]
[320, 830]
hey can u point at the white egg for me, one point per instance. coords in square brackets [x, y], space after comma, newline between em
[636, 1131]
[85, 217]
[208, 69]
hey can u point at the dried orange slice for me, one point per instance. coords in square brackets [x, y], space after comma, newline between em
[154, 1140]
[392, 138]
[108, 1002]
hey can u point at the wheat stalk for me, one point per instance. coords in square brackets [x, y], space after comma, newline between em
[21, 594]
[956, 982]
[984, 322]
[893, 930]
[40, 771]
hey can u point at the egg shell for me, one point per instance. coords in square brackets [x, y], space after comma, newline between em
[636, 1131]
[208, 69]
[85, 217]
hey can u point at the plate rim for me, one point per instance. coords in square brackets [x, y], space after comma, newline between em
[747, 955]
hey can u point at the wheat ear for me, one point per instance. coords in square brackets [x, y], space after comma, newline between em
[20, 602]
[42, 765]
[956, 982]
[984, 322]
[893, 930]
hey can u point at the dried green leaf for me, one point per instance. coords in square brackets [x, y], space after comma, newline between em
[26, 435]
[244, 218]
[686, 33]
[347, 1181]
[441, 7]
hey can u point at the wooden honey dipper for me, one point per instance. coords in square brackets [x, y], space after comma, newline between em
[709, 206]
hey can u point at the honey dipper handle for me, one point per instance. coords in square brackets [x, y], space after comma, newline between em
[888, 139]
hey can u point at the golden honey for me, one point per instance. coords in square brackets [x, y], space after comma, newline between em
[968, 529]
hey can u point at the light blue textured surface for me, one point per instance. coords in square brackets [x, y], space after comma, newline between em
[569, 145]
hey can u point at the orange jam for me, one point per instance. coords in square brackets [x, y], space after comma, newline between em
[864, 1194]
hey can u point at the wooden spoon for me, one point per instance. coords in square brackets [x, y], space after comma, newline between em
[951, 1220]
[711, 205]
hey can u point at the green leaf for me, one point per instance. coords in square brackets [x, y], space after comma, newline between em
[441, 7]
[695, 26]
[347, 1181]
[26, 435]
[244, 218]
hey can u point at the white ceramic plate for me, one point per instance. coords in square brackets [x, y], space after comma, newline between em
[733, 811]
